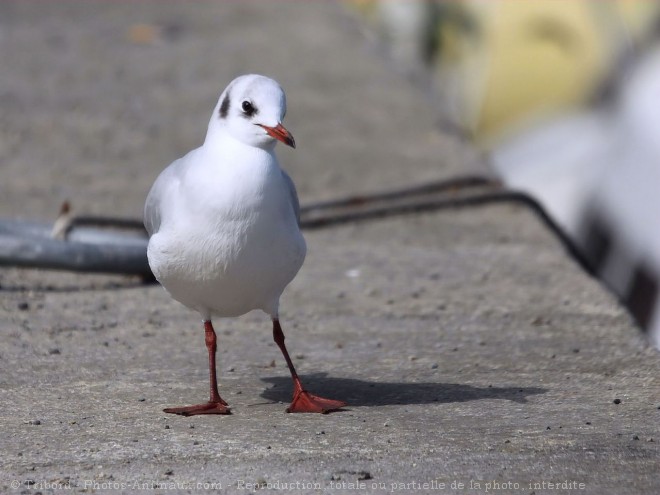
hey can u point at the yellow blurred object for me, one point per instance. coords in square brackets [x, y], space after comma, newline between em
[525, 60]
[544, 58]
[500, 65]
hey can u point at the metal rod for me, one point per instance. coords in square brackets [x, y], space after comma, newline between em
[30, 245]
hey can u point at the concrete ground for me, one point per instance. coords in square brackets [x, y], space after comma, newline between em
[475, 355]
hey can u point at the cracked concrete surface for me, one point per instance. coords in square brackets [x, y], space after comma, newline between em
[471, 349]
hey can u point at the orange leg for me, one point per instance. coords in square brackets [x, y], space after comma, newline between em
[215, 405]
[303, 401]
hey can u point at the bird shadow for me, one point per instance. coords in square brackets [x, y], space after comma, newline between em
[366, 393]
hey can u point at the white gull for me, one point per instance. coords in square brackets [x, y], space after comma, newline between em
[224, 228]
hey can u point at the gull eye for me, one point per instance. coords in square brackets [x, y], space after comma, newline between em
[248, 108]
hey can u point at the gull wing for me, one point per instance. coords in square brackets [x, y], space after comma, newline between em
[293, 194]
[166, 184]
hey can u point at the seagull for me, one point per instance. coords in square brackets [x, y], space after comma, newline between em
[223, 224]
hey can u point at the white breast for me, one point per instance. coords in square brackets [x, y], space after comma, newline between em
[229, 241]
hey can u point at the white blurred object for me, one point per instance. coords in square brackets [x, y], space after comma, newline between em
[558, 164]
[627, 197]
[598, 175]
[408, 28]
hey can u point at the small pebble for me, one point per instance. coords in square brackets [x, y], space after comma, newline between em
[23, 305]
[54, 351]
[167, 427]
[434, 366]
[35, 422]
[617, 401]
[354, 273]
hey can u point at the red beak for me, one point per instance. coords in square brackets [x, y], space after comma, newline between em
[280, 133]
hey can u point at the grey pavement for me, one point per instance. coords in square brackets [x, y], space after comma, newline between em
[475, 355]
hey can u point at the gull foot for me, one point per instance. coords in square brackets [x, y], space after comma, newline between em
[304, 402]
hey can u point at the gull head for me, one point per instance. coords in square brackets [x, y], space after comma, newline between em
[251, 110]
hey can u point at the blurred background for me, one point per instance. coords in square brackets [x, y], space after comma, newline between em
[473, 320]
[563, 98]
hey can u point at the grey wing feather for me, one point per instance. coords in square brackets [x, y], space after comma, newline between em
[162, 188]
[294, 195]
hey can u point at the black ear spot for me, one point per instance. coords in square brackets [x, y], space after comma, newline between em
[224, 106]
[248, 108]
